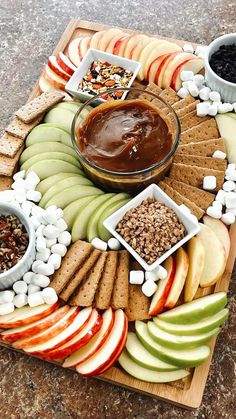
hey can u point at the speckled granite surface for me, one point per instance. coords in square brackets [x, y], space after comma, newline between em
[29, 30]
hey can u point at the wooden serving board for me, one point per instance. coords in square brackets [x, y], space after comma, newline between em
[188, 392]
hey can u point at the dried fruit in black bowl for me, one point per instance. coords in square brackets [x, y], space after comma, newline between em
[223, 62]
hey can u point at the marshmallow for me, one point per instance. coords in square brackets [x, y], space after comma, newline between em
[228, 186]
[33, 178]
[161, 272]
[212, 110]
[220, 196]
[26, 207]
[50, 216]
[199, 80]
[188, 48]
[41, 244]
[65, 238]
[37, 211]
[39, 231]
[34, 196]
[51, 232]
[185, 84]
[215, 96]
[45, 269]
[136, 277]
[32, 289]
[20, 300]
[151, 275]
[27, 277]
[200, 51]
[185, 209]
[49, 295]
[230, 168]
[183, 92]
[204, 93]
[18, 184]
[217, 205]
[231, 210]
[231, 176]
[20, 196]
[50, 242]
[7, 196]
[55, 260]
[61, 225]
[6, 296]
[20, 287]
[19, 175]
[35, 266]
[52, 208]
[99, 244]
[209, 183]
[60, 249]
[35, 299]
[214, 212]
[230, 200]
[193, 89]
[40, 280]
[225, 107]
[228, 218]
[202, 109]
[218, 154]
[186, 75]
[35, 221]
[149, 287]
[43, 255]
[6, 308]
[114, 244]
[59, 213]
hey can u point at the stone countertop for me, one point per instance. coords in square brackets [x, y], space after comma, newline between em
[29, 31]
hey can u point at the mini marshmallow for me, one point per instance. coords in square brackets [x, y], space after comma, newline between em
[99, 244]
[136, 277]
[217, 205]
[218, 154]
[231, 176]
[228, 218]
[228, 186]
[199, 80]
[20, 300]
[6, 308]
[37, 211]
[186, 75]
[50, 242]
[215, 96]
[40, 280]
[231, 210]
[225, 107]
[18, 184]
[61, 225]
[27, 277]
[185, 84]
[55, 260]
[185, 209]
[183, 92]
[50, 216]
[193, 89]
[46, 269]
[35, 266]
[52, 208]
[20, 196]
[59, 213]
[41, 243]
[220, 196]
[151, 275]
[43, 255]
[20, 287]
[7, 196]
[214, 212]
[39, 231]
[35, 299]
[204, 93]
[59, 249]
[114, 244]
[149, 287]
[65, 238]
[49, 295]
[200, 51]
[230, 168]
[161, 272]
[209, 183]
[51, 232]
[35, 221]
[34, 196]
[188, 48]
[6, 296]
[26, 207]
[213, 109]
[202, 109]
[32, 289]
[230, 200]
[19, 175]
[33, 178]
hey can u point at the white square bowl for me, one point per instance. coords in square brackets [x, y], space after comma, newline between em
[94, 55]
[153, 191]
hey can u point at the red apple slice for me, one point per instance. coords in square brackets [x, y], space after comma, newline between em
[145, 54]
[54, 66]
[96, 39]
[162, 67]
[94, 344]
[113, 41]
[65, 63]
[182, 265]
[84, 46]
[54, 79]
[107, 37]
[67, 334]
[136, 52]
[82, 338]
[220, 230]
[32, 329]
[164, 285]
[73, 51]
[132, 43]
[195, 65]
[26, 315]
[106, 353]
[50, 332]
[177, 60]
[164, 47]
[120, 45]
[154, 67]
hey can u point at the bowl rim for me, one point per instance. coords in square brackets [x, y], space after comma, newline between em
[138, 172]
[14, 210]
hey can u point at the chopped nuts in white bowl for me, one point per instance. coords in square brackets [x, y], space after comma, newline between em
[181, 226]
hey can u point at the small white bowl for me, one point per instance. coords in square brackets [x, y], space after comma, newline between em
[8, 278]
[153, 191]
[82, 69]
[226, 89]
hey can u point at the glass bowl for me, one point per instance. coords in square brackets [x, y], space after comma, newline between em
[132, 181]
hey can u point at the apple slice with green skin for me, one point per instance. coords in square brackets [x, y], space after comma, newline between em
[145, 374]
[26, 315]
[61, 185]
[82, 338]
[196, 310]
[203, 326]
[188, 358]
[94, 344]
[45, 133]
[47, 168]
[227, 127]
[173, 64]
[47, 183]
[164, 286]
[215, 257]
[220, 230]
[103, 233]
[164, 48]
[65, 63]
[70, 106]
[51, 146]
[54, 66]
[71, 210]
[196, 254]
[195, 65]
[60, 116]
[107, 36]
[182, 265]
[50, 332]
[143, 357]
[96, 39]
[64, 198]
[73, 51]
[32, 329]
[56, 155]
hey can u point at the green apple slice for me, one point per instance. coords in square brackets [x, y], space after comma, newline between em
[50, 146]
[70, 106]
[227, 127]
[204, 326]
[79, 227]
[63, 117]
[143, 357]
[44, 133]
[185, 358]
[68, 195]
[179, 342]
[196, 310]
[103, 233]
[71, 210]
[61, 185]
[148, 375]
[45, 184]
[47, 168]
[54, 155]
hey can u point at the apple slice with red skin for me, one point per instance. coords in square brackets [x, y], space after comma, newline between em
[95, 40]
[172, 65]
[164, 286]
[54, 66]
[136, 51]
[84, 46]
[103, 357]
[220, 230]
[73, 51]
[132, 43]
[32, 329]
[162, 67]
[94, 344]
[154, 67]
[113, 41]
[164, 47]
[120, 45]
[67, 334]
[108, 36]
[195, 65]
[50, 332]
[26, 315]
[65, 63]
[54, 79]
[82, 338]
[182, 265]
[45, 86]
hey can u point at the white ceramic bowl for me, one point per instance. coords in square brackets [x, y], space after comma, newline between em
[226, 89]
[94, 55]
[153, 191]
[8, 278]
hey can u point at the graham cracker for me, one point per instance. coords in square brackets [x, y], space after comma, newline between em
[180, 199]
[193, 175]
[80, 275]
[19, 129]
[203, 148]
[210, 162]
[104, 292]
[120, 293]
[76, 255]
[201, 198]
[191, 120]
[8, 164]
[170, 96]
[204, 131]
[138, 304]
[186, 109]
[5, 183]
[9, 145]
[87, 291]
[153, 88]
[183, 103]
[39, 105]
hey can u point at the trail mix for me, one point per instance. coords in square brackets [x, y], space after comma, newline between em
[14, 241]
[102, 76]
[151, 229]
